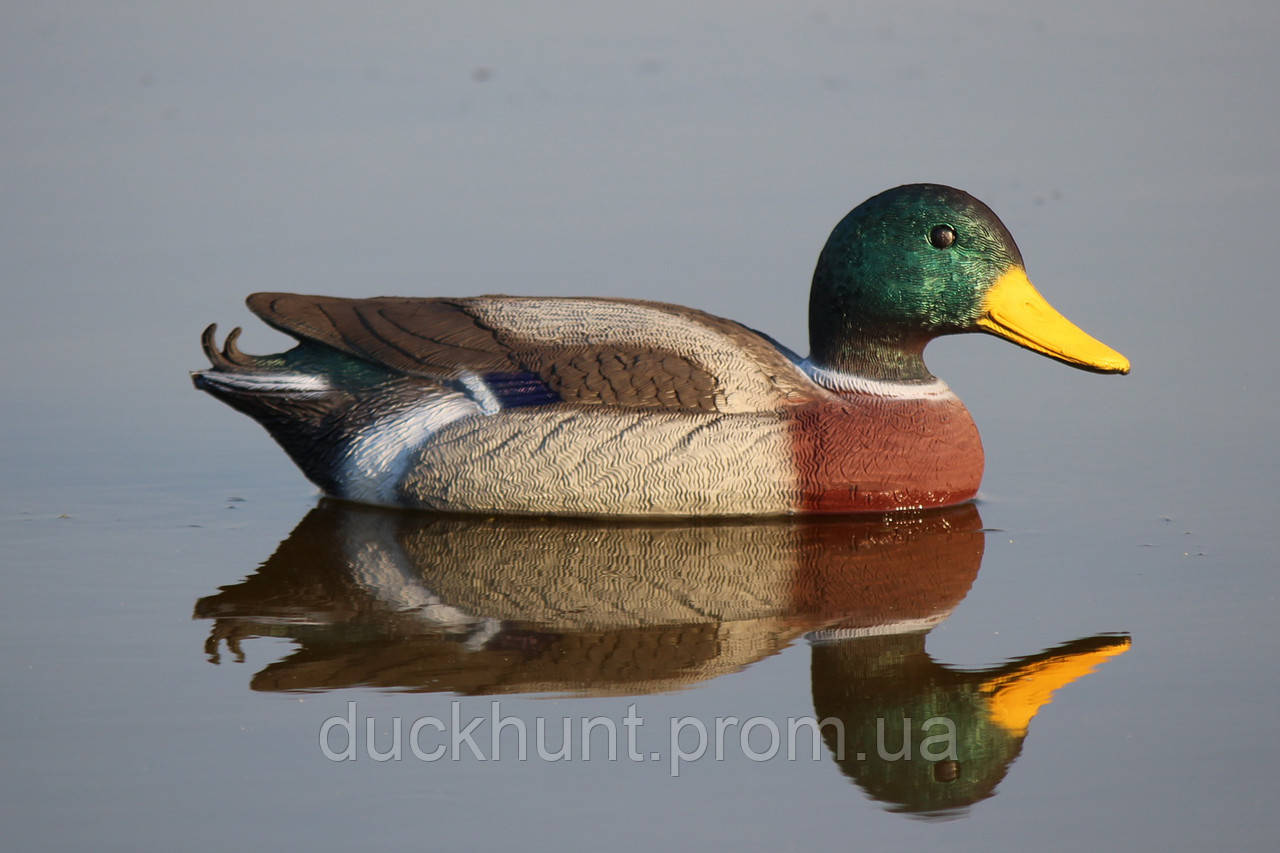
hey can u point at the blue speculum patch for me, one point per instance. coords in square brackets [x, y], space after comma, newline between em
[515, 390]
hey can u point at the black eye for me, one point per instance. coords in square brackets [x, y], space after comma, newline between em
[946, 771]
[942, 236]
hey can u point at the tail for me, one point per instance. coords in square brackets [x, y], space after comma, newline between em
[236, 373]
[297, 408]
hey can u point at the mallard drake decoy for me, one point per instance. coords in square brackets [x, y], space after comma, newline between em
[583, 406]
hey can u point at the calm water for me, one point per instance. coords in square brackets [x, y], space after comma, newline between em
[182, 617]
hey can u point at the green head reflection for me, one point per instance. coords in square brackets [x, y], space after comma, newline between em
[926, 738]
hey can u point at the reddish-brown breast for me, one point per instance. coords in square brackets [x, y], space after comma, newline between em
[873, 454]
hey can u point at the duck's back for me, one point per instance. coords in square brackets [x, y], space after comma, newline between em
[618, 352]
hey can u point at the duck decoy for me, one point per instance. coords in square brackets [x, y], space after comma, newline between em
[603, 407]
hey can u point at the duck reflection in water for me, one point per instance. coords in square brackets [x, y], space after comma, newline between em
[481, 606]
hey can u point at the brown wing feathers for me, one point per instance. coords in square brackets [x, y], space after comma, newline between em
[431, 337]
[443, 338]
[617, 376]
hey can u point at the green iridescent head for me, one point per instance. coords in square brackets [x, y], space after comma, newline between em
[924, 260]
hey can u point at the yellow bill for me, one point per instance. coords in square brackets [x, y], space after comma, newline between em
[1015, 311]
[1014, 698]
